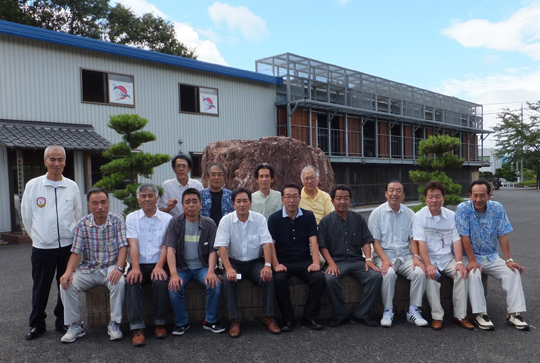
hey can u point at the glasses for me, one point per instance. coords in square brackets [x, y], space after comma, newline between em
[310, 178]
[288, 197]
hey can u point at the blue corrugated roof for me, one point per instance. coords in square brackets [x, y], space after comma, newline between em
[70, 40]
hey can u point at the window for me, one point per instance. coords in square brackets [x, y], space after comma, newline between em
[196, 171]
[201, 100]
[107, 88]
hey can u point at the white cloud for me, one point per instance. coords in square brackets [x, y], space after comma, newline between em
[518, 33]
[141, 7]
[240, 18]
[342, 2]
[206, 49]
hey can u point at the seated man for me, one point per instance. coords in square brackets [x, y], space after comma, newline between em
[191, 256]
[434, 228]
[294, 231]
[343, 236]
[482, 223]
[265, 200]
[239, 238]
[391, 226]
[98, 257]
[145, 229]
[216, 201]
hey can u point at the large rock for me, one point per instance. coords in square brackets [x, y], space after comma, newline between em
[287, 156]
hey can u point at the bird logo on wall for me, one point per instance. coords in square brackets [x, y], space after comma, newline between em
[208, 103]
[120, 92]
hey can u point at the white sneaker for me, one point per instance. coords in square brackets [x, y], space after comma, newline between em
[74, 331]
[113, 329]
[484, 322]
[387, 318]
[416, 318]
[517, 321]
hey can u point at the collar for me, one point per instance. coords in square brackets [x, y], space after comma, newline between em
[285, 215]
[236, 220]
[305, 195]
[186, 186]
[387, 208]
[47, 182]
[108, 222]
[141, 214]
[488, 204]
[444, 213]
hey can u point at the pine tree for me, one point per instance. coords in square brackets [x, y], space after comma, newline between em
[128, 163]
[436, 154]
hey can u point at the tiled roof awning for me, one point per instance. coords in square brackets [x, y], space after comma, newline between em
[39, 135]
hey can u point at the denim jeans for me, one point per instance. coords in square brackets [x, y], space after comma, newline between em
[178, 301]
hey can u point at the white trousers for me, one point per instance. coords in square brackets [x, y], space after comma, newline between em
[511, 284]
[83, 282]
[416, 276]
[459, 294]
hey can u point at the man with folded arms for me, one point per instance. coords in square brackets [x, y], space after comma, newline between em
[191, 256]
[396, 252]
[343, 236]
[240, 238]
[434, 228]
[145, 229]
[294, 231]
[482, 223]
[98, 257]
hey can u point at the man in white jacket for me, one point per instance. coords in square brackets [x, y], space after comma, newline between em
[50, 208]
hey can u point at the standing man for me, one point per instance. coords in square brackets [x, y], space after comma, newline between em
[216, 200]
[98, 257]
[173, 188]
[396, 252]
[265, 200]
[50, 209]
[482, 223]
[343, 236]
[314, 199]
[294, 231]
[434, 228]
[145, 229]
[191, 256]
[240, 238]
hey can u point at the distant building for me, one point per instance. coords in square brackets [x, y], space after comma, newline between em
[491, 161]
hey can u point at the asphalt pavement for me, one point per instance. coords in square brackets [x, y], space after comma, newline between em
[403, 342]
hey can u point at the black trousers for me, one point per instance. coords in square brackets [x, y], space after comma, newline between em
[315, 282]
[45, 263]
[250, 270]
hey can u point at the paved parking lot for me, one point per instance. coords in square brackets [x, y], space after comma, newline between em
[351, 343]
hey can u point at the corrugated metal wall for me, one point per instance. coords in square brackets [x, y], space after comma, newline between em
[41, 82]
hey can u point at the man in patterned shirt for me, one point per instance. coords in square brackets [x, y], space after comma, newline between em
[98, 257]
[482, 223]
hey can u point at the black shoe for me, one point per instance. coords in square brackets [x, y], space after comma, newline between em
[288, 326]
[337, 321]
[311, 323]
[35, 332]
[62, 328]
[366, 321]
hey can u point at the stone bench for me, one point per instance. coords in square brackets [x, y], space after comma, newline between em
[249, 301]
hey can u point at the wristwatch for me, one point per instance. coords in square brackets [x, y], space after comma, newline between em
[369, 259]
[268, 264]
[509, 260]
[121, 269]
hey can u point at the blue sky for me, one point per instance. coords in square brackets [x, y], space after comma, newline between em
[478, 50]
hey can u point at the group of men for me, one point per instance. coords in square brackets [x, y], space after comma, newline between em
[266, 237]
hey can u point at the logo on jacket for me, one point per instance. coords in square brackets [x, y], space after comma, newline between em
[120, 92]
[41, 202]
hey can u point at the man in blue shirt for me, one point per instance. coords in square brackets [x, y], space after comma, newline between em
[482, 223]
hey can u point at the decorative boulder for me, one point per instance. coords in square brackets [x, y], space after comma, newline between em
[288, 157]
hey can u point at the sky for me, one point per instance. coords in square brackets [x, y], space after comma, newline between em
[483, 51]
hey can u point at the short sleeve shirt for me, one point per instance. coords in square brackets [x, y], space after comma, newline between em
[149, 232]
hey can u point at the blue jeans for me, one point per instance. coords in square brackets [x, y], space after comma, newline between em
[178, 301]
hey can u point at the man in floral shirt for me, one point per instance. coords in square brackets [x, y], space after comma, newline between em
[482, 223]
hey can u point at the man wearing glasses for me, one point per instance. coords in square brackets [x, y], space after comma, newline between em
[175, 187]
[314, 199]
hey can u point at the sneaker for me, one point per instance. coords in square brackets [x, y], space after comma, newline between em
[387, 318]
[517, 321]
[484, 322]
[74, 331]
[213, 327]
[416, 318]
[180, 330]
[113, 329]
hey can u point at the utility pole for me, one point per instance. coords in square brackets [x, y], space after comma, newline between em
[522, 174]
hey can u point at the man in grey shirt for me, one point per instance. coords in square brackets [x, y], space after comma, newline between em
[191, 256]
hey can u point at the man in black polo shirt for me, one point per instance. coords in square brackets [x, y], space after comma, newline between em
[343, 236]
[294, 231]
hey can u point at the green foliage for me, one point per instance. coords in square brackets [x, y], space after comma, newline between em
[436, 156]
[98, 20]
[487, 176]
[127, 163]
[507, 174]
[528, 183]
[519, 139]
